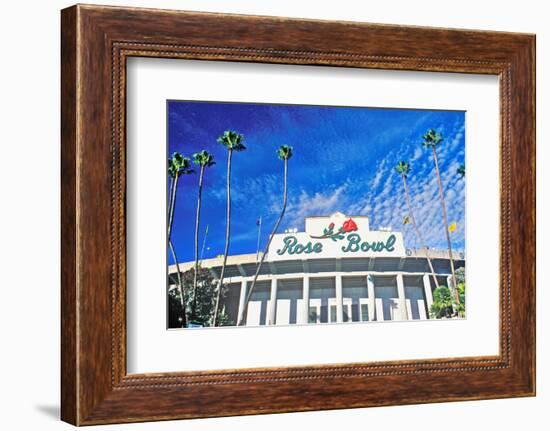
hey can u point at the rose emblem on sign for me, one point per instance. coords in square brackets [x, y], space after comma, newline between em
[349, 226]
[329, 232]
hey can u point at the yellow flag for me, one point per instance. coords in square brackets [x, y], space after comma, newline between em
[452, 227]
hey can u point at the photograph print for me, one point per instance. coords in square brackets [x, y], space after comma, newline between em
[304, 215]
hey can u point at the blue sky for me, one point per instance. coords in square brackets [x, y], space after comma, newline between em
[344, 160]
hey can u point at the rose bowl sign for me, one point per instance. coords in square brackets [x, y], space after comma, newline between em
[336, 236]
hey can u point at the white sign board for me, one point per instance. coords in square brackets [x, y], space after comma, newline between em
[336, 236]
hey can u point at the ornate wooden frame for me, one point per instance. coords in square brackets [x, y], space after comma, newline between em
[95, 42]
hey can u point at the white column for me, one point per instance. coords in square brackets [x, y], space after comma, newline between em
[401, 297]
[372, 298]
[304, 312]
[339, 300]
[272, 310]
[428, 292]
[380, 310]
[242, 298]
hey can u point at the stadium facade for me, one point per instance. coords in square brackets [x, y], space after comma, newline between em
[336, 271]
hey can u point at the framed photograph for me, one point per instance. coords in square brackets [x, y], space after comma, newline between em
[329, 214]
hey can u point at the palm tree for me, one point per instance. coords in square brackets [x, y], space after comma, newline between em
[178, 165]
[180, 284]
[233, 141]
[284, 152]
[431, 140]
[204, 159]
[403, 168]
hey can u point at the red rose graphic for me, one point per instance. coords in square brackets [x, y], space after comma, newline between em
[349, 226]
[331, 226]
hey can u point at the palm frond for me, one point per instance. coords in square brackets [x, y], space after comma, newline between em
[232, 140]
[284, 152]
[431, 138]
[171, 168]
[179, 165]
[403, 168]
[203, 158]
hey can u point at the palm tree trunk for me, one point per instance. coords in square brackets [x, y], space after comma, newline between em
[197, 219]
[227, 234]
[171, 204]
[454, 288]
[180, 285]
[418, 234]
[264, 254]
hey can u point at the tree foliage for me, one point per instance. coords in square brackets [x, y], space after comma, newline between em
[403, 168]
[179, 165]
[444, 303]
[205, 300]
[431, 138]
[203, 158]
[284, 152]
[232, 140]
[460, 307]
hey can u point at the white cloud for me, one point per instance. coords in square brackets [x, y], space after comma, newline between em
[379, 173]
[417, 154]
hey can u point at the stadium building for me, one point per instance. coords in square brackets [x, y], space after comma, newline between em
[338, 270]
